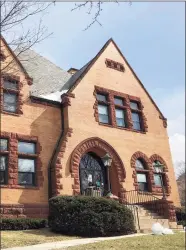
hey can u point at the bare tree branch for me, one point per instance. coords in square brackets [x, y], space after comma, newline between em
[13, 16]
[97, 6]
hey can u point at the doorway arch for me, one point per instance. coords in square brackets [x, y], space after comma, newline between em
[100, 148]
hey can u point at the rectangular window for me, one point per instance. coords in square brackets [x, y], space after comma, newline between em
[142, 182]
[26, 164]
[134, 105]
[118, 101]
[26, 147]
[3, 144]
[157, 180]
[3, 169]
[10, 84]
[136, 121]
[3, 160]
[9, 102]
[26, 171]
[103, 113]
[120, 117]
[102, 98]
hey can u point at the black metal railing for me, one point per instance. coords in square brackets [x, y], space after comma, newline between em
[148, 201]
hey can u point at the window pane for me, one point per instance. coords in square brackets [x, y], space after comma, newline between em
[143, 186]
[139, 164]
[101, 97]
[142, 178]
[25, 178]
[118, 101]
[9, 102]
[26, 147]
[103, 110]
[2, 177]
[26, 165]
[120, 122]
[136, 125]
[133, 105]
[3, 144]
[135, 117]
[3, 161]
[119, 113]
[157, 180]
[10, 84]
[103, 118]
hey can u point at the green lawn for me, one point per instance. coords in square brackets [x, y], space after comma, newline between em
[149, 242]
[29, 237]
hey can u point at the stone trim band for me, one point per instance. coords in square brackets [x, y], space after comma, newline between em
[156, 190]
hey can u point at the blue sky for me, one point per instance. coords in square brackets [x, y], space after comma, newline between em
[151, 37]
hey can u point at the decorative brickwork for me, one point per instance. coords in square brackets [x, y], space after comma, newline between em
[148, 171]
[13, 139]
[127, 98]
[56, 174]
[164, 121]
[66, 99]
[100, 147]
[114, 65]
[156, 190]
[18, 93]
[24, 210]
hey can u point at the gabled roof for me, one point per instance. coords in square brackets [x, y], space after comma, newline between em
[15, 57]
[47, 77]
[76, 78]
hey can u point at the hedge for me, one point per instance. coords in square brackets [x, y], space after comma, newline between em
[22, 223]
[89, 216]
[181, 216]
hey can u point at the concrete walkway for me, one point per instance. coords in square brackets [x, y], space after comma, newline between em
[69, 243]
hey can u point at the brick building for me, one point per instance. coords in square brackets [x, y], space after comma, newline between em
[56, 126]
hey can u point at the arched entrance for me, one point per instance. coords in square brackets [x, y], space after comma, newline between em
[92, 173]
[100, 148]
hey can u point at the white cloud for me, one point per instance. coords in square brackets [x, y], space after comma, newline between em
[177, 144]
[173, 107]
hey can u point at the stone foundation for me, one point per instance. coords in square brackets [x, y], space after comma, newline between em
[24, 210]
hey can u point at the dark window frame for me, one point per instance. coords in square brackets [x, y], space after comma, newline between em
[28, 156]
[121, 107]
[144, 171]
[106, 104]
[5, 153]
[11, 91]
[137, 111]
[162, 174]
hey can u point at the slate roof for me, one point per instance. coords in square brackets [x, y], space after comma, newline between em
[47, 77]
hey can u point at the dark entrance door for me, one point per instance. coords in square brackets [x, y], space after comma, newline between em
[92, 173]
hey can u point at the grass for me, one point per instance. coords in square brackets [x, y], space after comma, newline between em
[149, 242]
[30, 237]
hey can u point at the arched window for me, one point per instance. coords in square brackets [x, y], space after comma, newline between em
[158, 173]
[92, 173]
[142, 175]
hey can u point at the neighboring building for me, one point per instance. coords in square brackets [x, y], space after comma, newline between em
[56, 126]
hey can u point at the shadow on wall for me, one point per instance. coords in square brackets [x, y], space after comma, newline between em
[46, 125]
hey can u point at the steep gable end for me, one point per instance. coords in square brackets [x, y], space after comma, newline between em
[11, 60]
[78, 76]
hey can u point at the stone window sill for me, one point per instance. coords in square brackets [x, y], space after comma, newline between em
[9, 113]
[19, 187]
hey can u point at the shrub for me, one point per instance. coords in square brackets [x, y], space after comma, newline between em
[22, 223]
[89, 216]
[181, 216]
